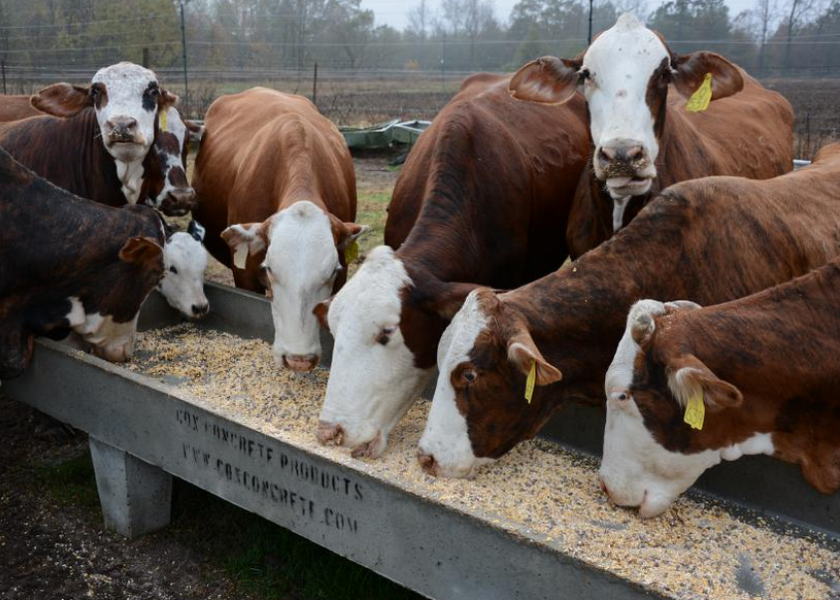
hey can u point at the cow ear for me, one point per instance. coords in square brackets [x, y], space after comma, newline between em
[548, 80]
[62, 99]
[245, 239]
[195, 131]
[349, 233]
[523, 352]
[141, 251]
[690, 70]
[689, 376]
[166, 99]
[196, 230]
[322, 311]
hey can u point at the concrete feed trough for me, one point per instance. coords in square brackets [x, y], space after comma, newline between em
[206, 403]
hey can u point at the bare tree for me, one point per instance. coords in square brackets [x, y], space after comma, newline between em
[419, 18]
[766, 13]
[799, 9]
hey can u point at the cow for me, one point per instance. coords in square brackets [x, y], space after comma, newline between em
[277, 195]
[15, 108]
[762, 372]
[184, 261]
[708, 240]
[644, 137]
[480, 200]
[165, 184]
[69, 264]
[99, 153]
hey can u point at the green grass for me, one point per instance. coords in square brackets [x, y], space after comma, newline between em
[263, 559]
[371, 211]
[71, 482]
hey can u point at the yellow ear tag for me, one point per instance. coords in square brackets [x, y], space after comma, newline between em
[695, 411]
[163, 120]
[700, 99]
[351, 252]
[530, 382]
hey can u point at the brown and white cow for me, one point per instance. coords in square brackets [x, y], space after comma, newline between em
[70, 264]
[764, 368]
[709, 240]
[644, 137]
[15, 108]
[277, 195]
[483, 194]
[100, 151]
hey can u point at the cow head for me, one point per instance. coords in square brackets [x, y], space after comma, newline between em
[484, 353]
[385, 334]
[126, 97]
[651, 455]
[304, 250]
[169, 191]
[184, 262]
[624, 75]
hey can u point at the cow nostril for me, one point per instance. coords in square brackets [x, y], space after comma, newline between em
[300, 362]
[635, 153]
[330, 434]
[605, 155]
[427, 462]
[200, 310]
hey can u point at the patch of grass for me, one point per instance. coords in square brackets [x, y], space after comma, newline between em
[371, 211]
[70, 482]
[268, 561]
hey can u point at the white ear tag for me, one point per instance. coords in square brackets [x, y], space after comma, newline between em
[240, 257]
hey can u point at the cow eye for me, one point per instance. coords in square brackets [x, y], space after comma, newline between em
[385, 335]
[173, 270]
[469, 376]
[583, 75]
[265, 269]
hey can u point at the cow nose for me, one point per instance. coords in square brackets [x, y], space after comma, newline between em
[330, 434]
[427, 462]
[300, 362]
[621, 151]
[604, 488]
[178, 202]
[122, 125]
[200, 310]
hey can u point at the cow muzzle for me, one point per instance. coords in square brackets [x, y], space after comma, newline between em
[300, 362]
[179, 202]
[121, 130]
[625, 166]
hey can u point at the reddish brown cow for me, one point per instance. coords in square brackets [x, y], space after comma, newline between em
[764, 371]
[645, 139]
[710, 240]
[485, 195]
[277, 196]
[15, 108]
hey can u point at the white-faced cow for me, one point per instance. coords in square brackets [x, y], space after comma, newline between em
[184, 261]
[759, 374]
[709, 240]
[480, 200]
[98, 137]
[277, 195]
[69, 264]
[644, 137]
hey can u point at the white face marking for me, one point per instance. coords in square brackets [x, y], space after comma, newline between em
[446, 437]
[76, 316]
[131, 177]
[176, 127]
[620, 373]
[183, 287]
[303, 262]
[620, 63]
[371, 385]
[619, 206]
[125, 84]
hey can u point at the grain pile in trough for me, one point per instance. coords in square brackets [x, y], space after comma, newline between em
[696, 550]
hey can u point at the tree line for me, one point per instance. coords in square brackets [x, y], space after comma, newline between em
[784, 37]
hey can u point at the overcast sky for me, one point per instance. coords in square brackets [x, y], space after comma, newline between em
[393, 12]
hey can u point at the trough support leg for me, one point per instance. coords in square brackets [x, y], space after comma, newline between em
[135, 496]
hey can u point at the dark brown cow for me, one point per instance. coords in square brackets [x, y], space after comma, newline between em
[710, 240]
[15, 108]
[763, 369]
[485, 194]
[644, 137]
[70, 264]
[278, 196]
